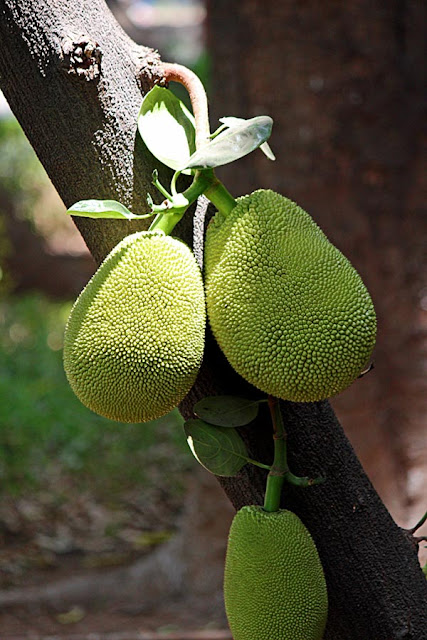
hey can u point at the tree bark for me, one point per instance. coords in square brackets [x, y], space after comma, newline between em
[83, 127]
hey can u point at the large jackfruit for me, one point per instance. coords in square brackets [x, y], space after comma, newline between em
[135, 336]
[288, 310]
[274, 587]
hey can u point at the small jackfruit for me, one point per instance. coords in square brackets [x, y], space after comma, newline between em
[274, 587]
[289, 311]
[135, 336]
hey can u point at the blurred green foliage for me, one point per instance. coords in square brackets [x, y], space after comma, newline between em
[21, 174]
[22, 180]
[46, 432]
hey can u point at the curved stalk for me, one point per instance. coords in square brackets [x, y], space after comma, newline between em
[219, 196]
[205, 182]
[199, 102]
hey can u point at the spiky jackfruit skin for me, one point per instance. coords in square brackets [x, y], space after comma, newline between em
[289, 311]
[135, 336]
[274, 586]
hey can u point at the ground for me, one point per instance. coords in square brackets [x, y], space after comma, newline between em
[46, 545]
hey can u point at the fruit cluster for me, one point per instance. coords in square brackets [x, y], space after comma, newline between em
[288, 310]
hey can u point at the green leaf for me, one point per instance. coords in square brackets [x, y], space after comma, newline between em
[230, 121]
[227, 411]
[241, 137]
[221, 451]
[102, 209]
[167, 128]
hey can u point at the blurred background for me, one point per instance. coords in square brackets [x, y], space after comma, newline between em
[82, 496]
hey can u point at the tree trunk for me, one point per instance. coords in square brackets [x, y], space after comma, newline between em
[81, 121]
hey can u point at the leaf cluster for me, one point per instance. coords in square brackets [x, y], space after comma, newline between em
[168, 130]
[213, 437]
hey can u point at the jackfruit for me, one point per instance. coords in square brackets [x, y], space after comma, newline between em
[135, 336]
[289, 311]
[274, 586]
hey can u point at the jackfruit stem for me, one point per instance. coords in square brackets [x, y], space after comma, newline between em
[273, 492]
[205, 182]
[279, 468]
[280, 472]
[219, 196]
[167, 221]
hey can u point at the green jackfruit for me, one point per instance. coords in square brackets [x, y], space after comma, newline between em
[135, 336]
[289, 311]
[274, 587]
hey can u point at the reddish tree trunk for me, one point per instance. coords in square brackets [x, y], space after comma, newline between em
[345, 86]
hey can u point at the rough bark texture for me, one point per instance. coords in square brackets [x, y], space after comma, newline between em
[84, 133]
[82, 127]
